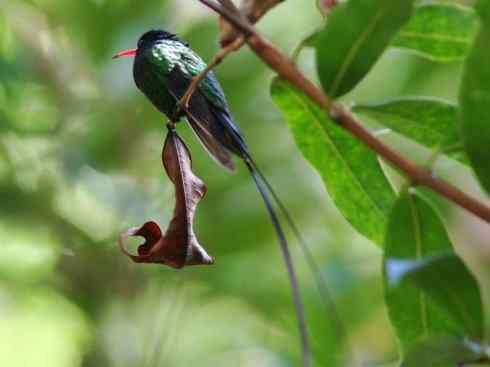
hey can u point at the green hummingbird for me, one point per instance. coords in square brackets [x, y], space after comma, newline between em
[164, 66]
[163, 69]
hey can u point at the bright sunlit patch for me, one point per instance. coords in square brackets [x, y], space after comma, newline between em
[26, 254]
[396, 269]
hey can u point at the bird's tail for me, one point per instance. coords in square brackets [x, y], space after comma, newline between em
[265, 188]
[262, 187]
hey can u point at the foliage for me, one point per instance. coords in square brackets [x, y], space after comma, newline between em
[431, 296]
[357, 32]
[429, 291]
[474, 97]
[441, 32]
[351, 172]
[429, 121]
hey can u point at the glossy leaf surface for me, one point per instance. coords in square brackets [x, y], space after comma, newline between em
[475, 99]
[414, 233]
[440, 32]
[350, 171]
[353, 39]
[431, 122]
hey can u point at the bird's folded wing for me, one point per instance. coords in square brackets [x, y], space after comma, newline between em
[217, 151]
[200, 118]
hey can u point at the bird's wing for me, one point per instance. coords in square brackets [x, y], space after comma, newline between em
[214, 148]
[193, 65]
[200, 117]
[166, 65]
[180, 61]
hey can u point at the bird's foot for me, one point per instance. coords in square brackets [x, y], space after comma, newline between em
[171, 125]
[177, 115]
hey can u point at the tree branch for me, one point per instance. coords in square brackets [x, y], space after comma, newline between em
[252, 10]
[280, 63]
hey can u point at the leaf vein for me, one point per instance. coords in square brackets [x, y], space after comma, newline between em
[353, 52]
[315, 118]
[419, 255]
[435, 36]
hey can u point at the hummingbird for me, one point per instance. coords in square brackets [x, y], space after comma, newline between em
[164, 66]
[163, 69]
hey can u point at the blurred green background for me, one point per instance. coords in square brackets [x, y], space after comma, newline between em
[80, 163]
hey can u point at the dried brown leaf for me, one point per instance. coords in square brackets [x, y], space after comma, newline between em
[178, 246]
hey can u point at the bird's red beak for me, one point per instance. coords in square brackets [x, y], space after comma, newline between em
[128, 53]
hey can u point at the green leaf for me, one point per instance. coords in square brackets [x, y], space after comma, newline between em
[475, 100]
[440, 32]
[429, 121]
[355, 36]
[350, 171]
[429, 290]
[414, 232]
[447, 281]
[310, 41]
[443, 352]
[307, 42]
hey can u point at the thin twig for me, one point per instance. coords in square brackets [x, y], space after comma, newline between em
[252, 10]
[288, 71]
[218, 58]
[228, 4]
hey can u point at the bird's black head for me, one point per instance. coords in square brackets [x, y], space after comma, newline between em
[156, 35]
[148, 39]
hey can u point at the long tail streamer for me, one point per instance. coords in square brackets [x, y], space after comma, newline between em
[320, 282]
[303, 328]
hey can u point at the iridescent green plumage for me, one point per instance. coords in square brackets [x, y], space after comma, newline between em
[168, 54]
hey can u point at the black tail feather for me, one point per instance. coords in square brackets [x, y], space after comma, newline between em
[289, 263]
[312, 264]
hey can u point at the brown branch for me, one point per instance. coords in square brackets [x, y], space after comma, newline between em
[288, 71]
[252, 10]
[228, 4]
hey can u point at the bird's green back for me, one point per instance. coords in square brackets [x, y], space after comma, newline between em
[166, 55]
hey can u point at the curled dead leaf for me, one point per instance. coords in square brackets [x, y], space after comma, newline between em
[178, 246]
